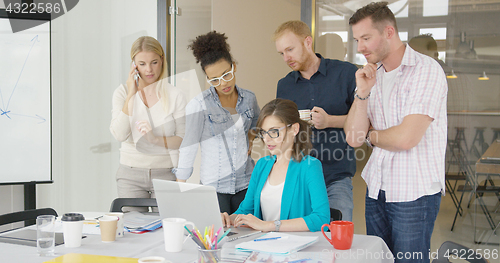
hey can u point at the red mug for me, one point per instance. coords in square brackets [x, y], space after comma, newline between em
[342, 233]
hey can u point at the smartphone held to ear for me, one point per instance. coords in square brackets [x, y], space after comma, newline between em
[136, 75]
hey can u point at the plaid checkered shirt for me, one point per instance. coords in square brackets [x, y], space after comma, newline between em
[420, 88]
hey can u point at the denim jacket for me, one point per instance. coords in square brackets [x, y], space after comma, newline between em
[225, 163]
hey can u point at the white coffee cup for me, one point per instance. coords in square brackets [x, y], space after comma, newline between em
[305, 115]
[120, 230]
[72, 229]
[173, 230]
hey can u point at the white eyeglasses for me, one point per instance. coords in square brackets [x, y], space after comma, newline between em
[228, 76]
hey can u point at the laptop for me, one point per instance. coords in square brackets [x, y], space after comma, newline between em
[196, 203]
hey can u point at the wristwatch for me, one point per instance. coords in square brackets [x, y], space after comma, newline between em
[277, 224]
[367, 139]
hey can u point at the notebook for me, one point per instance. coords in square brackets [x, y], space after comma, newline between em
[196, 203]
[277, 243]
[298, 257]
[138, 223]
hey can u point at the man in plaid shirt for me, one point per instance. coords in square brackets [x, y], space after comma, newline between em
[400, 110]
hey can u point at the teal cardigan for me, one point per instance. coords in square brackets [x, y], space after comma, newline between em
[304, 193]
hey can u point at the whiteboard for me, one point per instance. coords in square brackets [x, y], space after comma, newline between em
[25, 100]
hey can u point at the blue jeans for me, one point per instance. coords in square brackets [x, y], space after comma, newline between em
[340, 197]
[406, 227]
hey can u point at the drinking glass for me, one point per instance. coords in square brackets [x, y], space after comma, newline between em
[45, 237]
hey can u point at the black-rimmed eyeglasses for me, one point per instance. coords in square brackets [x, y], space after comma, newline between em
[228, 76]
[272, 133]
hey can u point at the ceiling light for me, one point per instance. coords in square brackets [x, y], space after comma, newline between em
[451, 75]
[483, 77]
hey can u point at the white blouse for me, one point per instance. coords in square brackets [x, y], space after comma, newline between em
[137, 152]
[270, 201]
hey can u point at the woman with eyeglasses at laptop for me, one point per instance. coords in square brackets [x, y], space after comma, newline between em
[287, 190]
[219, 120]
[148, 120]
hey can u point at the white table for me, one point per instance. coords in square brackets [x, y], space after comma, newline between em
[364, 249]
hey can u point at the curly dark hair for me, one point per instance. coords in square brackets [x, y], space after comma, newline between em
[210, 48]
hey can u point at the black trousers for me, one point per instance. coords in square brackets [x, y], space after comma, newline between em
[230, 202]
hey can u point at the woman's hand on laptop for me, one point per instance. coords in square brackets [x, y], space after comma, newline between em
[253, 222]
[226, 219]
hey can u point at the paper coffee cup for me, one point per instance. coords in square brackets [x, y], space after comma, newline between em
[72, 229]
[120, 230]
[108, 225]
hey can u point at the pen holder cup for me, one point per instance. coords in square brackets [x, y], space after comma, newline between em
[342, 233]
[209, 255]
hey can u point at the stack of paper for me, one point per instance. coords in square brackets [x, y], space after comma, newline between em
[279, 243]
[136, 222]
[299, 257]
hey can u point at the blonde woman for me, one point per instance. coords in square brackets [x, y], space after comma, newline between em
[148, 119]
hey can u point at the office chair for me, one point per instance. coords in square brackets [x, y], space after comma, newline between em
[450, 249]
[119, 203]
[25, 215]
[476, 190]
[452, 178]
[470, 182]
[335, 215]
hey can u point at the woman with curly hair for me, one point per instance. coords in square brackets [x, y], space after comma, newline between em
[219, 120]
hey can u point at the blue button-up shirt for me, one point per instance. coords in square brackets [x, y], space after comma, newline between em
[331, 88]
[225, 163]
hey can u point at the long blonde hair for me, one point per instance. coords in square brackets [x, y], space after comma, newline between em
[147, 43]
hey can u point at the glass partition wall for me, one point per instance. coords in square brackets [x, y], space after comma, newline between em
[182, 21]
[467, 37]
[189, 19]
[467, 45]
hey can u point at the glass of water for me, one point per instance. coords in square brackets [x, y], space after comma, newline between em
[45, 238]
